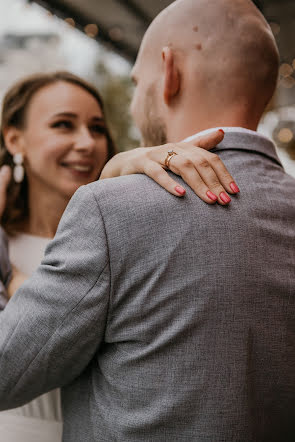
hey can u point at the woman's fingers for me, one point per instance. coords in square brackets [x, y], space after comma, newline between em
[200, 176]
[210, 140]
[223, 175]
[209, 177]
[215, 175]
[203, 171]
[189, 175]
[209, 166]
[5, 177]
[158, 174]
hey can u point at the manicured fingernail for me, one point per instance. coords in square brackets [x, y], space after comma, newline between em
[224, 198]
[212, 196]
[234, 187]
[221, 130]
[180, 190]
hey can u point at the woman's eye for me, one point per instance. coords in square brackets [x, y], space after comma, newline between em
[98, 129]
[63, 124]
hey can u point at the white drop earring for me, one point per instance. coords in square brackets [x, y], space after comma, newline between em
[18, 171]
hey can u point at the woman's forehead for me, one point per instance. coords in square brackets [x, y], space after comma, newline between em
[63, 97]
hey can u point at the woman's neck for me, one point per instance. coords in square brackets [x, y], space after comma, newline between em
[45, 211]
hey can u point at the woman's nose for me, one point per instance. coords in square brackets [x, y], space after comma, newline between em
[84, 140]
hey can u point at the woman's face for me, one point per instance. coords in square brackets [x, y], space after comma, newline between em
[64, 141]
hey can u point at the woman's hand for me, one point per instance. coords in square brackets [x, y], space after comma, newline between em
[5, 177]
[203, 171]
[18, 278]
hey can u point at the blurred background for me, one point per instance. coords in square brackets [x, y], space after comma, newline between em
[99, 40]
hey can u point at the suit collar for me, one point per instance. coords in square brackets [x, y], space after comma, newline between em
[243, 139]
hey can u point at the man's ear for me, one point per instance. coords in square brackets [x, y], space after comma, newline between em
[171, 75]
[13, 140]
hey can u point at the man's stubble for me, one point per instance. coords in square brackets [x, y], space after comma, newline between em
[153, 130]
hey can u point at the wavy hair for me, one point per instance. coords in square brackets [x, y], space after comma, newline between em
[14, 112]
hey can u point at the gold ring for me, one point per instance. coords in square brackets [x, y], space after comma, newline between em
[170, 154]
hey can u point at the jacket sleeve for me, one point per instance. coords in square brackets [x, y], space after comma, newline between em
[54, 324]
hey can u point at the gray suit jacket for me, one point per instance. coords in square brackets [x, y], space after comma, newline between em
[165, 319]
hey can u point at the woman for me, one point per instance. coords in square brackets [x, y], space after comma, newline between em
[54, 137]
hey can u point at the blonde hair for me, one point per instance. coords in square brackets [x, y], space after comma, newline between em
[14, 111]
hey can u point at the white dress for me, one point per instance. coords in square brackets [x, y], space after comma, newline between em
[41, 419]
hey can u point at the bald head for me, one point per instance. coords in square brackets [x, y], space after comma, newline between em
[223, 51]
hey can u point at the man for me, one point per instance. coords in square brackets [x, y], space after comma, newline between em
[167, 319]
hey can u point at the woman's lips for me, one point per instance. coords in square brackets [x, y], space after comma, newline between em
[78, 168]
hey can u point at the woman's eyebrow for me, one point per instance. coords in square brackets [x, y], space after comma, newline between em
[73, 115]
[98, 119]
[65, 114]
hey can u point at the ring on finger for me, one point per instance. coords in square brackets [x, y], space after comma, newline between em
[170, 154]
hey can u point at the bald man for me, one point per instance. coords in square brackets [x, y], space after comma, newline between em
[166, 319]
[203, 64]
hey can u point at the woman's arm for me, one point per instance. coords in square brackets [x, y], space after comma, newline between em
[203, 171]
[17, 278]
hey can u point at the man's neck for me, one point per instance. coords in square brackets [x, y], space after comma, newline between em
[187, 124]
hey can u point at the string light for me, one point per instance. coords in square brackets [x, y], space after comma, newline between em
[91, 30]
[287, 82]
[70, 21]
[116, 33]
[285, 135]
[286, 70]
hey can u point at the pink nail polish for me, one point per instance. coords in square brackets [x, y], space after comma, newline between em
[212, 196]
[224, 198]
[234, 187]
[180, 190]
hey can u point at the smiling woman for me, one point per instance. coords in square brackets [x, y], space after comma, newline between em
[56, 123]
[53, 132]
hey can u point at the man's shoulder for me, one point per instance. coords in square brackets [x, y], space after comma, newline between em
[126, 188]
[138, 196]
[121, 182]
